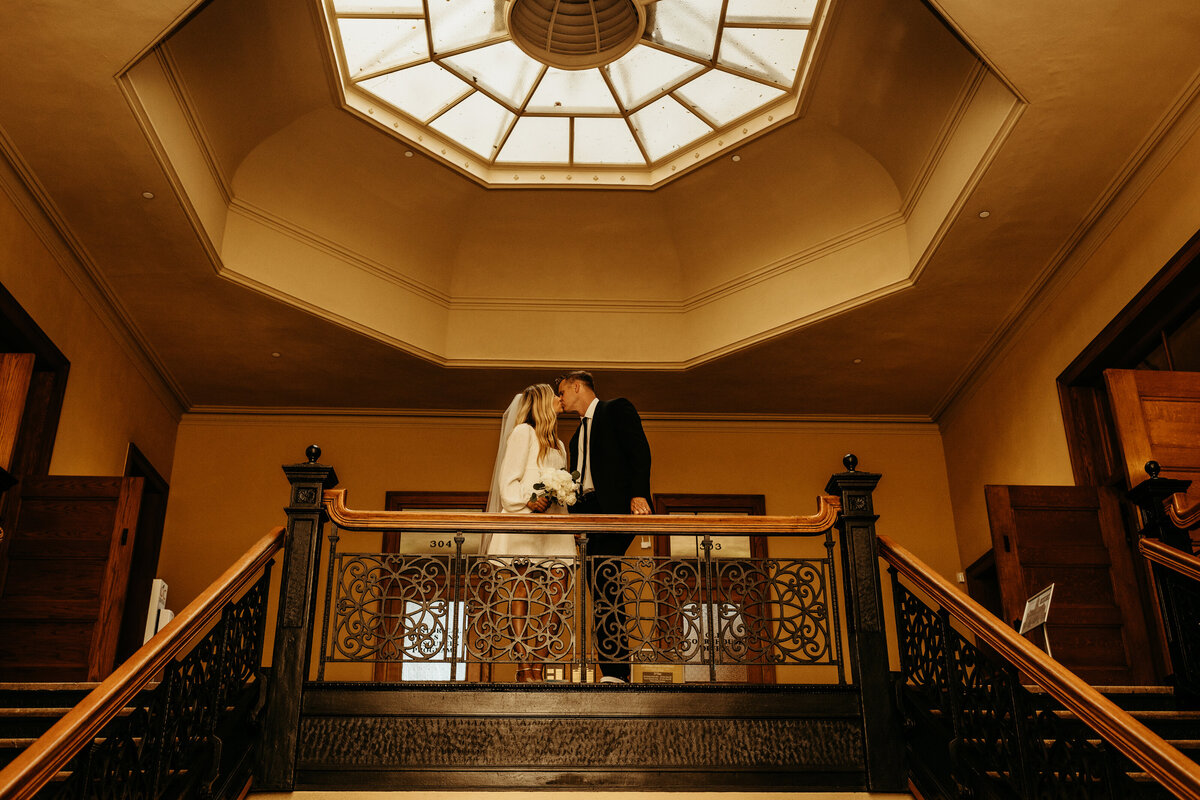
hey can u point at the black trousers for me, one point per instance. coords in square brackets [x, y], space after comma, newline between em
[612, 640]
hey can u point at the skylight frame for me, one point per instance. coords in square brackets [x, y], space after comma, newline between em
[490, 170]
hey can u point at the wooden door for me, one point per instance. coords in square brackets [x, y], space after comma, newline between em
[1157, 415]
[67, 571]
[1073, 537]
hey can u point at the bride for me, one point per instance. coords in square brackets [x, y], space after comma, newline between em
[534, 580]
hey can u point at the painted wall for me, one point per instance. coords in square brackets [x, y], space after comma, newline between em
[229, 490]
[1007, 427]
[110, 401]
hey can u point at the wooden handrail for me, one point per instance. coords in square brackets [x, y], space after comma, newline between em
[1184, 519]
[1165, 764]
[38, 763]
[1171, 558]
[349, 519]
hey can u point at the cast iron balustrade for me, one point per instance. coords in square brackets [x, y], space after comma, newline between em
[974, 729]
[179, 719]
[777, 665]
[457, 608]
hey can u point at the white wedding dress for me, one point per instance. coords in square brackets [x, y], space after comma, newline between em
[517, 473]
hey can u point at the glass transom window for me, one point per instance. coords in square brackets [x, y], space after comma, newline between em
[600, 93]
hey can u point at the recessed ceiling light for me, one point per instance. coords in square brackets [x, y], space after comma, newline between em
[148, 195]
[408, 153]
[984, 214]
[858, 361]
[735, 158]
[274, 355]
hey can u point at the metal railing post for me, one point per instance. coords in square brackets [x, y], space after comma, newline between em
[868, 642]
[275, 769]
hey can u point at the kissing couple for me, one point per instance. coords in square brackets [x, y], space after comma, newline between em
[611, 455]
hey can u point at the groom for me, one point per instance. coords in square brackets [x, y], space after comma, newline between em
[613, 458]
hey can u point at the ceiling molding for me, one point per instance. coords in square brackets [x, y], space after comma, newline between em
[1153, 155]
[969, 43]
[900, 425]
[937, 150]
[43, 217]
[977, 174]
[307, 237]
[183, 97]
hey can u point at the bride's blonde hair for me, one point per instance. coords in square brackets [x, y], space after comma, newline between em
[537, 409]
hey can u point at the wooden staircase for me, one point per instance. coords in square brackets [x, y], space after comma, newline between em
[1157, 708]
[27, 710]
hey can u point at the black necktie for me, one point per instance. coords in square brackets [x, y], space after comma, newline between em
[583, 450]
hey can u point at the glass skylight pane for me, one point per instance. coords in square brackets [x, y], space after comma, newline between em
[786, 12]
[573, 92]
[379, 7]
[461, 23]
[665, 125]
[686, 25]
[605, 140]
[721, 98]
[644, 72]
[477, 123]
[501, 68]
[768, 53]
[421, 91]
[375, 44]
[538, 140]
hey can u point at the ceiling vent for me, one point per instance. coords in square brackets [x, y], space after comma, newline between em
[576, 34]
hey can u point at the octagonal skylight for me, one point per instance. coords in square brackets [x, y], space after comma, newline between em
[448, 77]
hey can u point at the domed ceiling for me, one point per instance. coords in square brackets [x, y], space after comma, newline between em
[837, 264]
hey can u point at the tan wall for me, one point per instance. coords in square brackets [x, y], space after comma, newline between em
[109, 401]
[1007, 428]
[229, 490]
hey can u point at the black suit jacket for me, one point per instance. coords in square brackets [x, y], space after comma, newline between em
[620, 455]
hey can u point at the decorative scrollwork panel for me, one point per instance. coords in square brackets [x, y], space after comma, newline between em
[773, 611]
[520, 609]
[167, 742]
[389, 607]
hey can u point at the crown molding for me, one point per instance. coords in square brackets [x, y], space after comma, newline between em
[35, 205]
[1154, 154]
[907, 425]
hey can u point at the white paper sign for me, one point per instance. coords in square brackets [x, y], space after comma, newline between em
[1037, 609]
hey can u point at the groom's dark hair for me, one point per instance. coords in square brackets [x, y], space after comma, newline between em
[583, 376]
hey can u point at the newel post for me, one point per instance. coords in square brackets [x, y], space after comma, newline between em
[1151, 496]
[276, 766]
[867, 644]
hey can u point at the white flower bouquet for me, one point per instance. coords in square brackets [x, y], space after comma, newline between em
[557, 484]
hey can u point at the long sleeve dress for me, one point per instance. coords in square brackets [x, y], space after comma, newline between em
[518, 474]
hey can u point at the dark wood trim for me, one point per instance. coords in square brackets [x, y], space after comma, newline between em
[459, 501]
[1134, 332]
[19, 333]
[754, 505]
[147, 544]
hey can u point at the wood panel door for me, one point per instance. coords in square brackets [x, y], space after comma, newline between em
[1073, 537]
[67, 572]
[1157, 415]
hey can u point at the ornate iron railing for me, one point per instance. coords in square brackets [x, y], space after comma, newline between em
[354, 605]
[973, 729]
[496, 608]
[179, 718]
